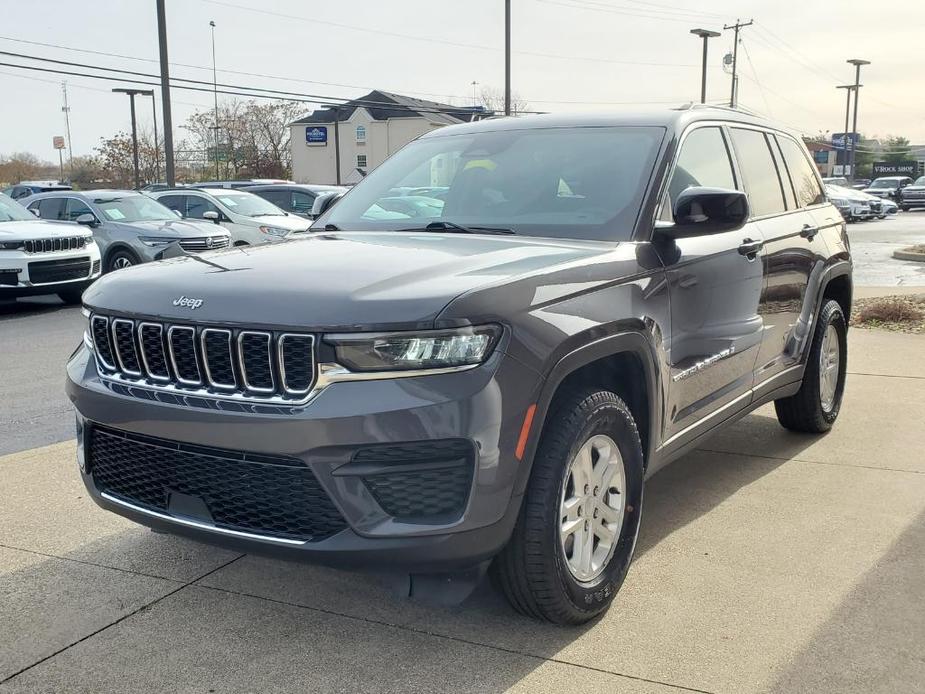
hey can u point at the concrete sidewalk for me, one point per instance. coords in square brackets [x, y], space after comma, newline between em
[767, 562]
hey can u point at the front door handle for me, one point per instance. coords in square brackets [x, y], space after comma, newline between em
[809, 231]
[750, 248]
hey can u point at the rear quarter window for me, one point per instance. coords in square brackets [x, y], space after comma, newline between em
[756, 163]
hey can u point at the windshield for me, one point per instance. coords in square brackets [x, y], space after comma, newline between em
[885, 183]
[248, 204]
[12, 211]
[134, 208]
[582, 183]
[920, 181]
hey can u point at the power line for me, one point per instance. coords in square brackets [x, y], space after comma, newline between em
[757, 81]
[631, 12]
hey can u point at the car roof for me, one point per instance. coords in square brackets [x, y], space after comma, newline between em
[672, 119]
[891, 178]
[293, 186]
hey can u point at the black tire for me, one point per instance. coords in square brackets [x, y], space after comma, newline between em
[805, 411]
[532, 569]
[119, 257]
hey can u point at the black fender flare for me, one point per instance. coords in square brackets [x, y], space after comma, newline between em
[818, 285]
[632, 342]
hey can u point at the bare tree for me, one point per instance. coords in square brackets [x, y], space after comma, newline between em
[493, 100]
[21, 166]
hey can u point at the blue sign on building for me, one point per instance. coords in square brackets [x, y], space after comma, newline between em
[316, 135]
[838, 140]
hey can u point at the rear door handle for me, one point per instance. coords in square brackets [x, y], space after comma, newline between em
[750, 248]
[809, 231]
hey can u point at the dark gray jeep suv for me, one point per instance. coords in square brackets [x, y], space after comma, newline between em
[487, 388]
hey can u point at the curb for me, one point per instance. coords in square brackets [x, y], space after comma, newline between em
[906, 254]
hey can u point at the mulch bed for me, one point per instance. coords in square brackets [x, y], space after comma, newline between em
[905, 314]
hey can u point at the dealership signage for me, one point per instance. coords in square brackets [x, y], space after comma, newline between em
[900, 168]
[316, 135]
[838, 140]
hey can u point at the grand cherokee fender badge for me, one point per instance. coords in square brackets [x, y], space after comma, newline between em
[186, 302]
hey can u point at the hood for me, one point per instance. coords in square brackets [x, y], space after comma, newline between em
[291, 221]
[918, 188]
[879, 192]
[331, 281]
[181, 228]
[39, 229]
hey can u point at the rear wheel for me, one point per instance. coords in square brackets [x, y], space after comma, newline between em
[576, 533]
[814, 408]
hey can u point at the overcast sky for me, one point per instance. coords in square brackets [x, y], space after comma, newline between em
[569, 55]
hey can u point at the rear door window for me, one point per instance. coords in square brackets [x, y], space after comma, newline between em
[756, 164]
[802, 174]
[52, 208]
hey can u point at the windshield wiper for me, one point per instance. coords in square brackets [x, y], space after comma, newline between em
[455, 228]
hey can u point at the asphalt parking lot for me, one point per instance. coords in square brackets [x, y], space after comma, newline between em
[873, 243]
[767, 562]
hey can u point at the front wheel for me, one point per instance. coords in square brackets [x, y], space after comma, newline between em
[814, 408]
[575, 536]
[121, 259]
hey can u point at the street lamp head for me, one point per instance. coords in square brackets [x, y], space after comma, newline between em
[705, 33]
[858, 62]
[212, 24]
[132, 92]
[849, 86]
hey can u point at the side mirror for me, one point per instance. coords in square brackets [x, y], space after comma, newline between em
[87, 219]
[702, 211]
[324, 202]
[211, 214]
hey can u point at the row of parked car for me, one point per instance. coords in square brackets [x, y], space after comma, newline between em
[878, 198]
[55, 240]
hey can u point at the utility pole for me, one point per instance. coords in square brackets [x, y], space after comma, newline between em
[165, 92]
[848, 89]
[215, 94]
[857, 62]
[733, 97]
[157, 149]
[706, 35]
[67, 126]
[507, 57]
[131, 99]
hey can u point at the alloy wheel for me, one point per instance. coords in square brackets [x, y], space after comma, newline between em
[592, 507]
[829, 360]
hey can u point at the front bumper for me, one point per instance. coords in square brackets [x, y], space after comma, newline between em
[24, 274]
[484, 406]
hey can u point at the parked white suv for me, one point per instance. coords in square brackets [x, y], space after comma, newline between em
[40, 257]
[249, 218]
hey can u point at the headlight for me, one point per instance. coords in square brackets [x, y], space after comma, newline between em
[437, 349]
[274, 231]
[839, 202]
[155, 241]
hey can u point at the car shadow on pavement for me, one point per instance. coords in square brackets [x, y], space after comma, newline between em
[229, 621]
[873, 641]
[31, 306]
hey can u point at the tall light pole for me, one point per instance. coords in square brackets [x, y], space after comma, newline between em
[165, 92]
[848, 89]
[857, 62]
[215, 94]
[131, 99]
[507, 57]
[67, 126]
[706, 35]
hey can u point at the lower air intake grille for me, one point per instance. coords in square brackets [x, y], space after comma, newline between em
[272, 496]
[425, 480]
[46, 271]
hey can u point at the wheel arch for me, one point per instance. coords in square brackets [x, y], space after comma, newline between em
[625, 363]
[116, 247]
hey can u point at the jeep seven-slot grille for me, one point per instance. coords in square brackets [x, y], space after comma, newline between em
[64, 243]
[196, 358]
[272, 496]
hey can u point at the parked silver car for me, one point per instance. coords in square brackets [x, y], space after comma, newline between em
[129, 227]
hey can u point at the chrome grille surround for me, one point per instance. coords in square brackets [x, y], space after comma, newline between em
[205, 243]
[202, 360]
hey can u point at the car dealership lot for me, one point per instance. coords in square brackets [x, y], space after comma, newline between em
[872, 246]
[767, 561]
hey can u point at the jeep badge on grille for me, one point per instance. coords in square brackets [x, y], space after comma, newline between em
[186, 302]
